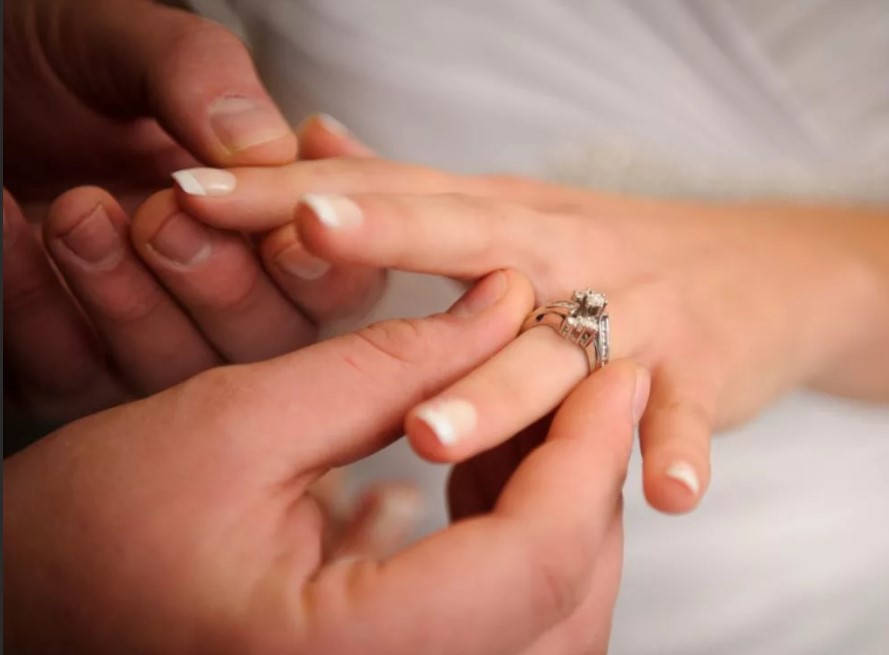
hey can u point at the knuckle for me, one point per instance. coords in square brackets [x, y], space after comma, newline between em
[496, 221]
[130, 306]
[235, 293]
[558, 578]
[23, 293]
[407, 342]
[216, 393]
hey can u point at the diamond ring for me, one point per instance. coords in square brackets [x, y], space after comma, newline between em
[581, 320]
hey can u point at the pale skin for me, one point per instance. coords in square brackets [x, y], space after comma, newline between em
[182, 523]
[730, 306]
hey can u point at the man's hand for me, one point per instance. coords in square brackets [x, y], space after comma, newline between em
[182, 523]
[102, 309]
[120, 93]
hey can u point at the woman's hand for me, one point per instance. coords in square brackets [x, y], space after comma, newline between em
[182, 524]
[730, 306]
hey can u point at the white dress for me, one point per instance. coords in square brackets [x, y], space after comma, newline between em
[789, 553]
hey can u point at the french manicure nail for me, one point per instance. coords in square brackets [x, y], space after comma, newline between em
[684, 473]
[640, 393]
[205, 181]
[334, 211]
[449, 420]
[294, 260]
[334, 126]
[183, 241]
[481, 296]
[240, 123]
[94, 240]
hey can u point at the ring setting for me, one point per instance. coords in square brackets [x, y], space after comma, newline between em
[582, 321]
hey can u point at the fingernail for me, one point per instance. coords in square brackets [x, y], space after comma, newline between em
[294, 260]
[182, 240]
[241, 123]
[684, 473]
[640, 394]
[334, 126]
[205, 181]
[481, 296]
[449, 420]
[333, 211]
[94, 240]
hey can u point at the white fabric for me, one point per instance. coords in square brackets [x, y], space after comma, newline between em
[790, 551]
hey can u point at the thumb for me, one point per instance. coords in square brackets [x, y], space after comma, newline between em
[347, 396]
[192, 75]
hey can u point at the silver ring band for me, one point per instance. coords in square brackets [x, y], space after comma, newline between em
[581, 321]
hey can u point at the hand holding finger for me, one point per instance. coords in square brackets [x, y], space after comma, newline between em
[543, 542]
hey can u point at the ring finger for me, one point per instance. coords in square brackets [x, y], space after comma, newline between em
[524, 382]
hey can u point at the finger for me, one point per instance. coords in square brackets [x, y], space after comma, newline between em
[530, 562]
[454, 235]
[152, 342]
[322, 290]
[50, 349]
[457, 235]
[218, 278]
[193, 75]
[382, 523]
[321, 136]
[675, 437]
[258, 199]
[356, 389]
[518, 386]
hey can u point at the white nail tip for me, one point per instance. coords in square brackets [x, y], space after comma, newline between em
[324, 209]
[189, 183]
[334, 211]
[205, 181]
[439, 424]
[684, 473]
[449, 420]
[311, 271]
[333, 125]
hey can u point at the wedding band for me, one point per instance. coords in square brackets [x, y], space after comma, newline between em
[581, 320]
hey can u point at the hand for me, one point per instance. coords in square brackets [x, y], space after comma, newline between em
[141, 90]
[181, 523]
[728, 305]
[100, 310]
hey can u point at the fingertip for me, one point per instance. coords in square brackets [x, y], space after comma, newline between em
[435, 428]
[328, 225]
[521, 290]
[73, 205]
[673, 485]
[322, 136]
[149, 216]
